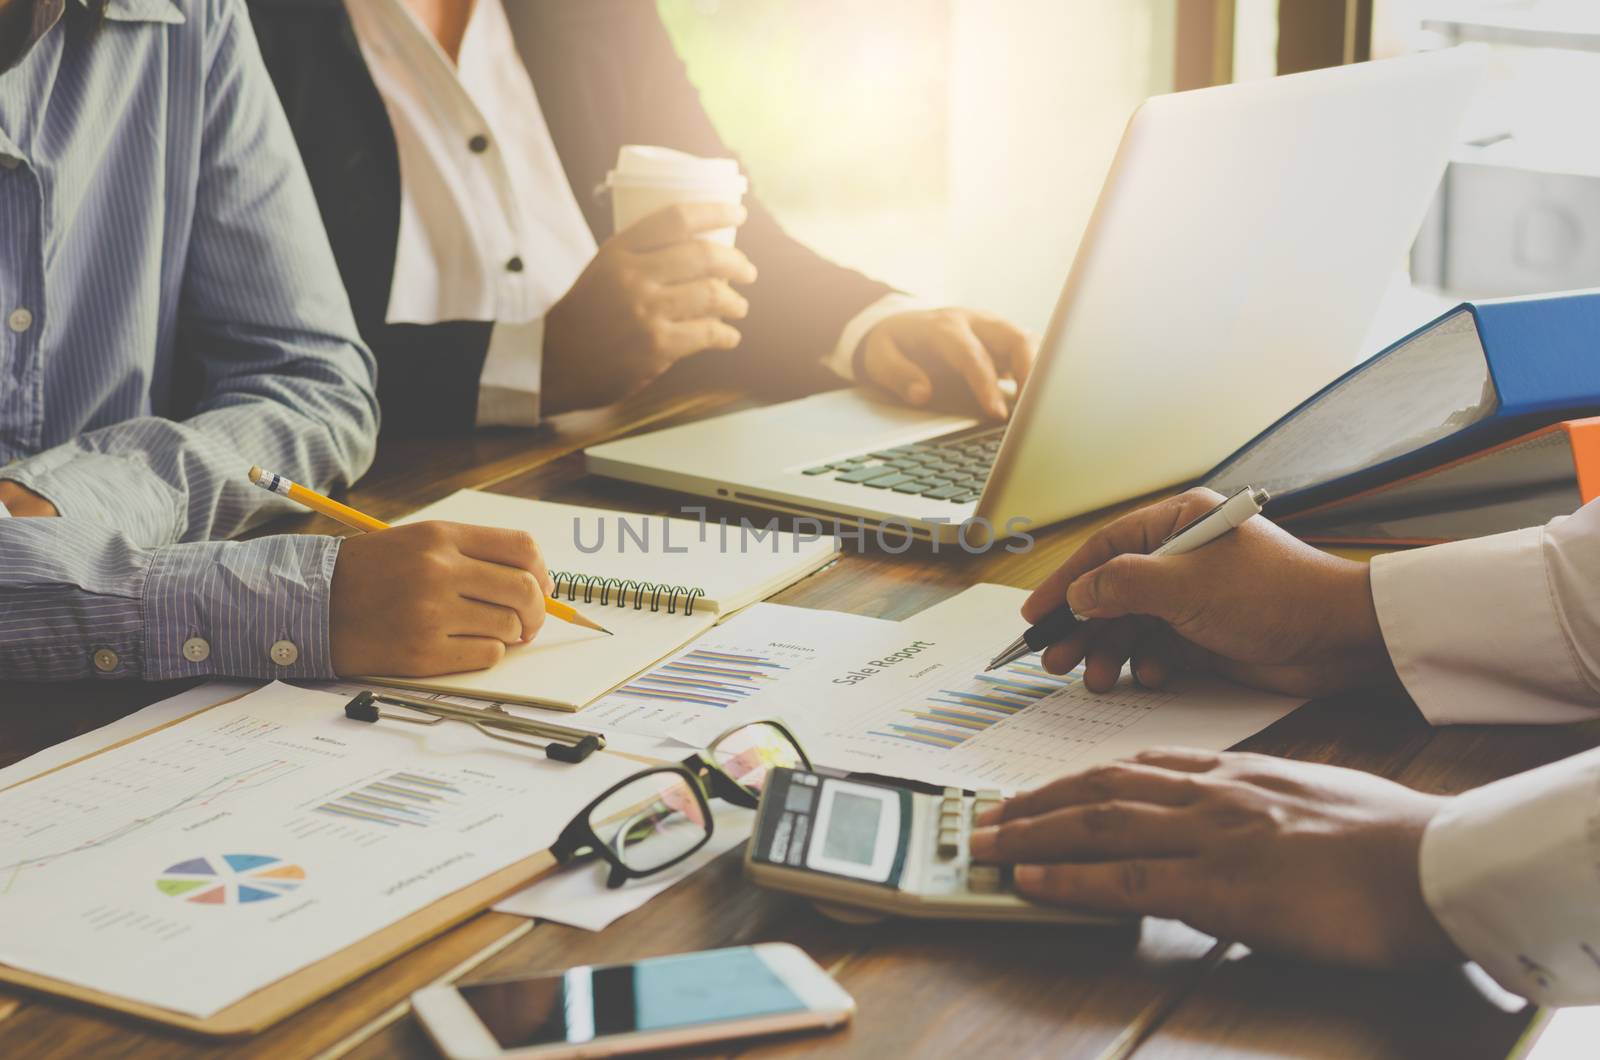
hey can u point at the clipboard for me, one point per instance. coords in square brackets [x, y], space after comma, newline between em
[298, 990]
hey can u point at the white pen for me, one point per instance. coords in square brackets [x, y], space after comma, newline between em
[1204, 529]
[1199, 531]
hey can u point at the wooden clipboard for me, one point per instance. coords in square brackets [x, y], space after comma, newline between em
[288, 995]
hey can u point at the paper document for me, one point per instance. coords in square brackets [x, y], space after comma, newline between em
[915, 703]
[126, 727]
[195, 866]
[578, 896]
[731, 673]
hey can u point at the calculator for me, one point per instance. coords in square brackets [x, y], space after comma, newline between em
[862, 851]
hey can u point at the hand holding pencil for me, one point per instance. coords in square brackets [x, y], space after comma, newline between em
[429, 598]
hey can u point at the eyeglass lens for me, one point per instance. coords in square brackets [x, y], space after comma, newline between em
[749, 754]
[651, 821]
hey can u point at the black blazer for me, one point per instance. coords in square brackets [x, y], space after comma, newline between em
[606, 75]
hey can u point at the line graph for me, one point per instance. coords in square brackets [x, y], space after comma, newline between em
[70, 819]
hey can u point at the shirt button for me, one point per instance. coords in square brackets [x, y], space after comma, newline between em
[105, 660]
[21, 319]
[478, 144]
[514, 265]
[284, 653]
[196, 650]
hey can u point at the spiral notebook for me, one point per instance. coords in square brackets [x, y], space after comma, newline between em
[656, 583]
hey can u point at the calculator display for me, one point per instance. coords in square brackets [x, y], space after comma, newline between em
[853, 829]
[858, 831]
[834, 827]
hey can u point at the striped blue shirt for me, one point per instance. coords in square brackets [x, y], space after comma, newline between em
[170, 314]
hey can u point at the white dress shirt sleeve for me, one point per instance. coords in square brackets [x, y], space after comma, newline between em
[842, 361]
[1498, 629]
[508, 387]
[1509, 871]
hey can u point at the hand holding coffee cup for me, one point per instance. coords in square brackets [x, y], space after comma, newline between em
[659, 290]
[649, 179]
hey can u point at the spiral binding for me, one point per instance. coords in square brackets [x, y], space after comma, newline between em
[600, 590]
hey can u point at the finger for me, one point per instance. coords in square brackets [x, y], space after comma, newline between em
[1010, 347]
[1179, 759]
[1126, 781]
[512, 548]
[1164, 887]
[696, 259]
[677, 339]
[1133, 584]
[701, 298]
[678, 222]
[474, 618]
[888, 366]
[1063, 657]
[958, 346]
[1154, 656]
[1140, 532]
[496, 583]
[459, 654]
[1093, 832]
[1108, 652]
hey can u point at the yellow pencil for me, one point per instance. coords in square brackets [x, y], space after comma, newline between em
[343, 513]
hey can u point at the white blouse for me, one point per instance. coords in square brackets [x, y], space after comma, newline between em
[489, 227]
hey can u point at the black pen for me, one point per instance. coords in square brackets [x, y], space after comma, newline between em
[1201, 530]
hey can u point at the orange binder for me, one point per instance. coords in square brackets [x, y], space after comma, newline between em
[1526, 481]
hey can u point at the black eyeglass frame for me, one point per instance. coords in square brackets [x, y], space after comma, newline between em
[705, 779]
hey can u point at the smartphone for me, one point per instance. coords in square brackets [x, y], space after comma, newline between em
[661, 1003]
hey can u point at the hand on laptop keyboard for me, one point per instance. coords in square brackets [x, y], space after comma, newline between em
[951, 470]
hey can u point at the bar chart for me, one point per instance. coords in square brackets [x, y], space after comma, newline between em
[704, 677]
[949, 717]
[395, 801]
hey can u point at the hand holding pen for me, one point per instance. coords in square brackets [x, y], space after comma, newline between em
[428, 598]
[1256, 605]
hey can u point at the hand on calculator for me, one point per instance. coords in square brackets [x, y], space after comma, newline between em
[1293, 857]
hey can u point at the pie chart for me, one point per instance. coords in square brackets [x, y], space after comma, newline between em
[228, 879]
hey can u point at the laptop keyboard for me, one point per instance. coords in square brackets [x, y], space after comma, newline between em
[948, 469]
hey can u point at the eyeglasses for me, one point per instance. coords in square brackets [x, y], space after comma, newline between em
[659, 816]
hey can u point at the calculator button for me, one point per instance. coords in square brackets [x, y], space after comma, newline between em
[952, 793]
[949, 842]
[988, 795]
[950, 818]
[983, 879]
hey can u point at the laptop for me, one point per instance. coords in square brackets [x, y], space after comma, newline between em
[1238, 252]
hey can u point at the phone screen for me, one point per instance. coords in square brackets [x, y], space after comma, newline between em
[586, 1002]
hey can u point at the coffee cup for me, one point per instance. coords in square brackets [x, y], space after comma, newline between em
[649, 178]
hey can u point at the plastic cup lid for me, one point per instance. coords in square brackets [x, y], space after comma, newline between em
[641, 166]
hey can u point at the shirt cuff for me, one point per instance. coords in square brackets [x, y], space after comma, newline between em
[508, 387]
[1475, 634]
[842, 361]
[1508, 871]
[240, 609]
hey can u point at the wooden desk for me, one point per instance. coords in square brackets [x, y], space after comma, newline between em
[946, 991]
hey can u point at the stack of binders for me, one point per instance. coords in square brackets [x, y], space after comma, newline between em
[1487, 419]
